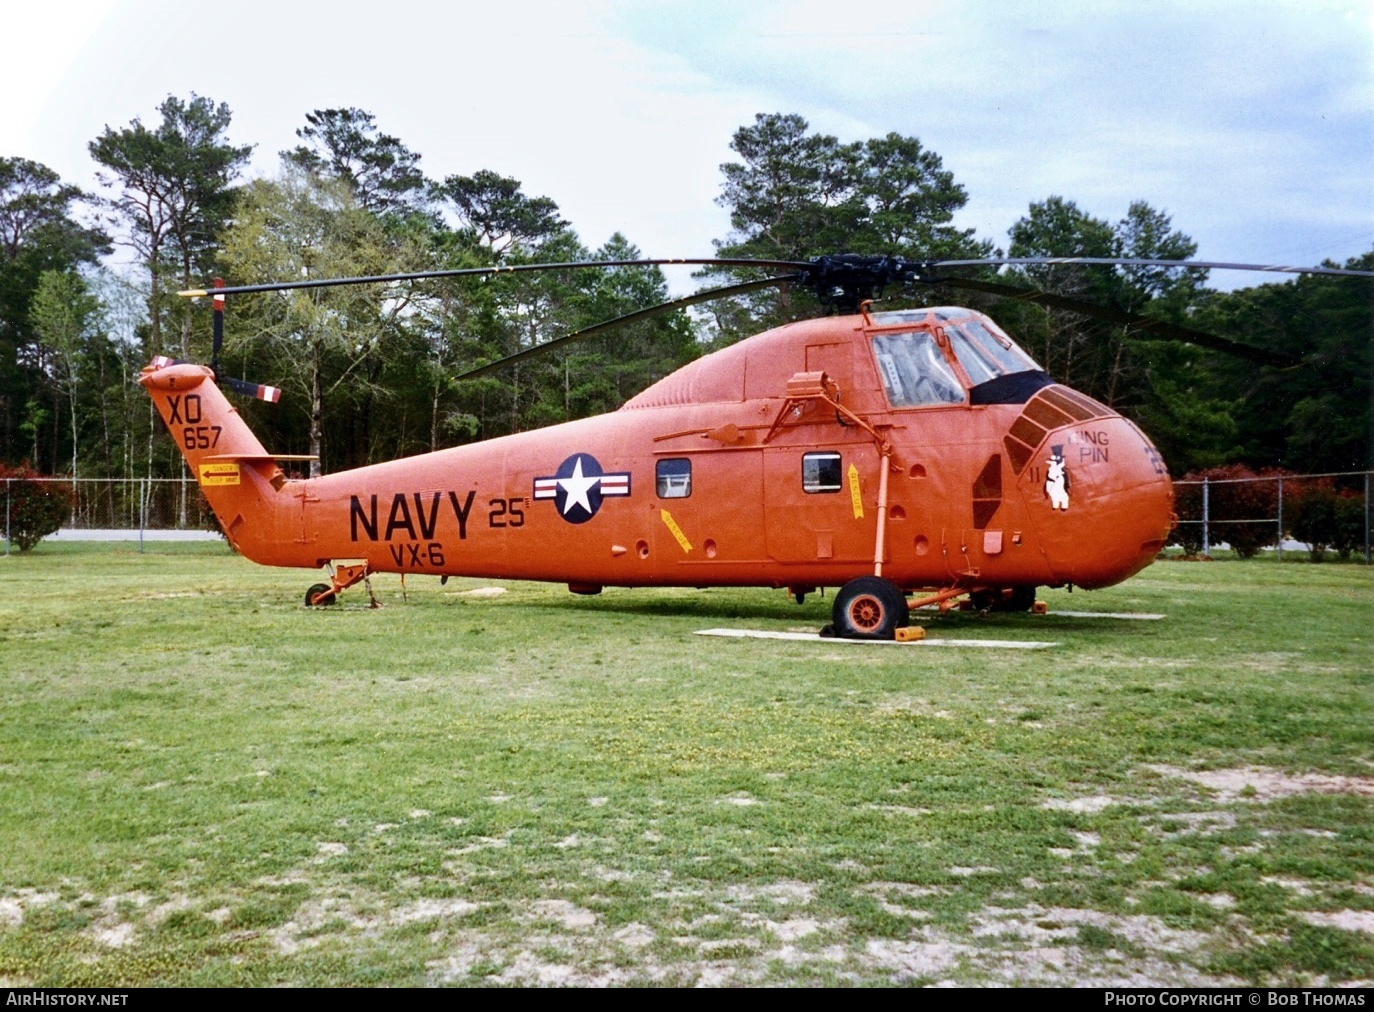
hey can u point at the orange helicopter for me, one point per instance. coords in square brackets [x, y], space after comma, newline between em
[908, 458]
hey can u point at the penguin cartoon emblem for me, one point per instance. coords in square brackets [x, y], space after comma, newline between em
[1057, 479]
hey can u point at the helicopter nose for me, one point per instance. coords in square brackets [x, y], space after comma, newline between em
[1105, 507]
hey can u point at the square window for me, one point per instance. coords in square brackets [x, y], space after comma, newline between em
[821, 472]
[674, 478]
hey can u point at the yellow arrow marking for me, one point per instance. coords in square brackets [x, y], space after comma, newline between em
[855, 494]
[675, 530]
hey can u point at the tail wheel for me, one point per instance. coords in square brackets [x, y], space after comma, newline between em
[869, 608]
[320, 594]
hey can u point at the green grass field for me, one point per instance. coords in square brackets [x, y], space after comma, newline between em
[202, 782]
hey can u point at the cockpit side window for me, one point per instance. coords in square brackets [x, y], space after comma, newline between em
[913, 370]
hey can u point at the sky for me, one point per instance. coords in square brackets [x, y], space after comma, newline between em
[1251, 123]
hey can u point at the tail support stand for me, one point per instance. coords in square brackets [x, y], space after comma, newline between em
[341, 578]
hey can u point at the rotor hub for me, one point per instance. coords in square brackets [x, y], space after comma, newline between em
[843, 281]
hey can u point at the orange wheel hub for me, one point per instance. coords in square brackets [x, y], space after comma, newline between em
[866, 613]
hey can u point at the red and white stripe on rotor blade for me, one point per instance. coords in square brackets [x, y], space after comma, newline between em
[261, 391]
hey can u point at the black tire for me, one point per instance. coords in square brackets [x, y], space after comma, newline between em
[870, 608]
[1009, 599]
[316, 590]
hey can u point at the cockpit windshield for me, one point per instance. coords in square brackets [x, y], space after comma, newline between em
[999, 350]
[915, 370]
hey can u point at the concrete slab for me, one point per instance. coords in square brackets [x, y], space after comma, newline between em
[114, 534]
[927, 642]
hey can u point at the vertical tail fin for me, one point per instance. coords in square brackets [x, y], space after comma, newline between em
[238, 476]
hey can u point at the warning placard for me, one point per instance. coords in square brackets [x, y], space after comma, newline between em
[219, 474]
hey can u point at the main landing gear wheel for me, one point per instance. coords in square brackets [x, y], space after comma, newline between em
[869, 608]
[320, 594]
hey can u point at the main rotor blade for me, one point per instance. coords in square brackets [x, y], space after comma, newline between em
[1120, 317]
[1118, 262]
[638, 315]
[279, 286]
[809, 267]
[817, 270]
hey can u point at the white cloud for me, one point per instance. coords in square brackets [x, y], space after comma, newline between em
[1252, 123]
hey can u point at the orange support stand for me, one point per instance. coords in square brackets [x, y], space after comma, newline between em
[344, 576]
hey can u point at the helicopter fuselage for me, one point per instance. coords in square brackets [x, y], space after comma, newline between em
[922, 445]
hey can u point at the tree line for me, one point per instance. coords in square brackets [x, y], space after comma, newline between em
[368, 370]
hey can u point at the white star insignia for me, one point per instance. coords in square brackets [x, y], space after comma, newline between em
[577, 486]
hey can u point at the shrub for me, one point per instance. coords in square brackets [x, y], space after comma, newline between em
[1236, 498]
[36, 505]
[1350, 523]
[1312, 515]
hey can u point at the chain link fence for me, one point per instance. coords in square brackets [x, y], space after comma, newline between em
[118, 509]
[1283, 512]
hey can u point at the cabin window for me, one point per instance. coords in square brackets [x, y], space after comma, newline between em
[821, 472]
[674, 478]
[914, 371]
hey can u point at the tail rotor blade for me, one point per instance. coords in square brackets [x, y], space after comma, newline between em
[218, 332]
[260, 391]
